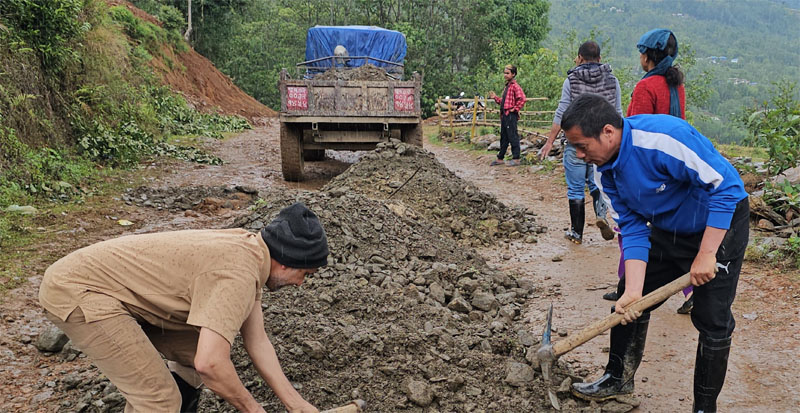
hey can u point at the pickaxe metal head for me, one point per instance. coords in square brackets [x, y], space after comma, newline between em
[548, 352]
[547, 358]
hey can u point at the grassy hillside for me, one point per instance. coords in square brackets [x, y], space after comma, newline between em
[79, 95]
[741, 47]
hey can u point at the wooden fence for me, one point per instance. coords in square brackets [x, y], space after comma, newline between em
[454, 112]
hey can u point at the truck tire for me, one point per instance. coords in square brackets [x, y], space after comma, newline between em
[412, 135]
[291, 153]
[313, 155]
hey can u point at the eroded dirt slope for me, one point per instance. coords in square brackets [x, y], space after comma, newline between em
[203, 85]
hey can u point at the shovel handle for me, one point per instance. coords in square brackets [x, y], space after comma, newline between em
[593, 330]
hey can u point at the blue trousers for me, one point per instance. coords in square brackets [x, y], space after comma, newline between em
[579, 174]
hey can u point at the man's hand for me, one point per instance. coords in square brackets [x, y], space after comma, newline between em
[551, 137]
[704, 268]
[492, 95]
[545, 149]
[628, 316]
[634, 285]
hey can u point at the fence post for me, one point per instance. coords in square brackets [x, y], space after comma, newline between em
[451, 120]
[474, 119]
[439, 114]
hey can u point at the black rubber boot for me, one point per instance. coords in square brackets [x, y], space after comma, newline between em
[710, 367]
[577, 216]
[611, 296]
[624, 357]
[600, 210]
[190, 396]
[598, 203]
[687, 306]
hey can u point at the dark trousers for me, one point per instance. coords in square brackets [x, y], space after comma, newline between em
[508, 134]
[671, 256]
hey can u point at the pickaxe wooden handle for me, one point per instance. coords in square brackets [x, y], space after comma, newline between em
[353, 407]
[593, 330]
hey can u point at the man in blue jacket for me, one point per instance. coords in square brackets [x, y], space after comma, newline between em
[682, 208]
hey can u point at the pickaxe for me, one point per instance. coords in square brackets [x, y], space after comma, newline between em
[353, 407]
[548, 353]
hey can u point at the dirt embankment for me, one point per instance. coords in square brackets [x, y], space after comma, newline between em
[203, 85]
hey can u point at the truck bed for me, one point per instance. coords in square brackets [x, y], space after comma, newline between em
[310, 100]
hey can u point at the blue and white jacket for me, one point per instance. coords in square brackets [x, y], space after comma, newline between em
[670, 175]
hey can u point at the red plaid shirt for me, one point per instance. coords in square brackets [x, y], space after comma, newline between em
[515, 98]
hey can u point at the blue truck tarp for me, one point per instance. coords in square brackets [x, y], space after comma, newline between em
[369, 41]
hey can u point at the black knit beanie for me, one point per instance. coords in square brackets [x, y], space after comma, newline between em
[296, 239]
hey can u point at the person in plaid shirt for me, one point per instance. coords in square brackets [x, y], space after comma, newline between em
[511, 102]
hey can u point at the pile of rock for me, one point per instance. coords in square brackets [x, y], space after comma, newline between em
[403, 316]
[416, 184]
[365, 72]
[197, 198]
[530, 143]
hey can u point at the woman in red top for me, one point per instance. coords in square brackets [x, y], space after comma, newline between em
[660, 91]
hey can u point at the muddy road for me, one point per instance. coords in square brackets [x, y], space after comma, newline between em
[764, 357]
[766, 344]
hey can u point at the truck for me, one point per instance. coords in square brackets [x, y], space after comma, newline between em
[351, 93]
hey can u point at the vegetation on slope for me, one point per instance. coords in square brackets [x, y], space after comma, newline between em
[77, 93]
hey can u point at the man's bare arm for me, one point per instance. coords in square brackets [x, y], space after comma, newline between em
[551, 137]
[265, 360]
[213, 362]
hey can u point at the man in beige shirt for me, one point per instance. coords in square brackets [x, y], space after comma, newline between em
[183, 294]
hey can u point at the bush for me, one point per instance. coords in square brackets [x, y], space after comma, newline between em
[171, 18]
[48, 26]
[36, 172]
[144, 32]
[177, 118]
[149, 34]
[793, 249]
[122, 147]
[775, 125]
[783, 197]
[128, 143]
[11, 149]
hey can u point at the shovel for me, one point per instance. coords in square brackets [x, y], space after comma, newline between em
[548, 353]
[353, 407]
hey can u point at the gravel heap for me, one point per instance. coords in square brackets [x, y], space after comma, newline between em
[199, 198]
[364, 72]
[403, 317]
[412, 176]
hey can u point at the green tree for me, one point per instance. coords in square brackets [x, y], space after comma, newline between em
[48, 27]
[449, 41]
